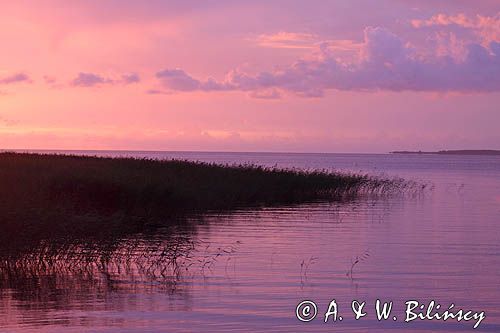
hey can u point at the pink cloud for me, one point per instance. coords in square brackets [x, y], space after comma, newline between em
[49, 79]
[385, 62]
[486, 27]
[131, 78]
[287, 40]
[266, 94]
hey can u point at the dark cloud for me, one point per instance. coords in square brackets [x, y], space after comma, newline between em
[92, 79]
[89, 80]
[157, 92]
[178, 79]
[14, 78]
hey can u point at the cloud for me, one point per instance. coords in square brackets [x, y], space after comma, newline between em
[384, 62]
[130, 78]
[177, 79]
[15, 78]
[49, 79]
[486, 27]
[287, 40]
[91, 79]
[157, 92]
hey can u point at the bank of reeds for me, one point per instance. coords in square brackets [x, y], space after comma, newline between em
[46, 194]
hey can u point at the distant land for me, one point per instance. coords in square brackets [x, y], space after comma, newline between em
[451, 152]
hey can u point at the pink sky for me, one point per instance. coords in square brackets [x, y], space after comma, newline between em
[311, 76]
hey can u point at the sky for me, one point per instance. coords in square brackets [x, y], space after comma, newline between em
[234, 75]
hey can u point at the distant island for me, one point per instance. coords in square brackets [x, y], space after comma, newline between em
[451, 152]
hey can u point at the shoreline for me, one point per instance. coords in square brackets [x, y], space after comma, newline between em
[484, 152]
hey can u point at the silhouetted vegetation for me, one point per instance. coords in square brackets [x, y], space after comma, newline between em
[81, 224]
[452, 152]
[45, 195]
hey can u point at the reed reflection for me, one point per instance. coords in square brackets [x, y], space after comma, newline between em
[58, 273]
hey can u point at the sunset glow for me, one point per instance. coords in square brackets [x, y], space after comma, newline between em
[316, 76]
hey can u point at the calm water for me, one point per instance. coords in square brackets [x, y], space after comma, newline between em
[247, 271]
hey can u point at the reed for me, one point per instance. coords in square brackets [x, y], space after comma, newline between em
[46, 194]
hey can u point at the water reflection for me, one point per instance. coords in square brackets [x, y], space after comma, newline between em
[247, 270]
[44, 276]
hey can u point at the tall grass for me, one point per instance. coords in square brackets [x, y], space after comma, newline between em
[47, 194]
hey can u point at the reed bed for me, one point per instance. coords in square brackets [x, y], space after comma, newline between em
[42, 195]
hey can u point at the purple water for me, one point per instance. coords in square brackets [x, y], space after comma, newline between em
[254, 267]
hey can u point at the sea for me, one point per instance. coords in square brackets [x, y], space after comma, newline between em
[315, 267]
